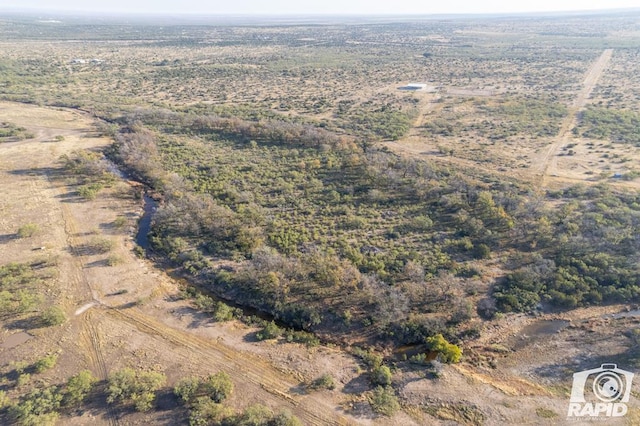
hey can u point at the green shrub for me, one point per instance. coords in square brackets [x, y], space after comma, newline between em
[304, 337]
[206, 412]
[384, 401]
[89, 191]
[136, 387]
[519, 292]
[120, 222]
[218, 386]
[255, 415]
[187, 389]
[223, 312]
[23, 379]
[99, 245]
[447, 352]
[139, 252]
[420, 359]
[27, 230]
[203, 302]
[270, 331]
[381, 375]
[5, 401]
[78, 388]
[370, 358]
[52, 316]
[482, 251]
[323, 382]
[285, 419]
[38, 408]
[46, 363]
[114, 260]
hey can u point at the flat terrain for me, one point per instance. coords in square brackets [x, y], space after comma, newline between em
[509, 162]
[555, 162]
[148, 327]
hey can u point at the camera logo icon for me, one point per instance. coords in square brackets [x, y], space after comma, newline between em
[602, 391]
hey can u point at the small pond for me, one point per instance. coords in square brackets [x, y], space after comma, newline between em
[538, 330]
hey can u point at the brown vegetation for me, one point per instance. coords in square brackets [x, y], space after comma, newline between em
[294, 180]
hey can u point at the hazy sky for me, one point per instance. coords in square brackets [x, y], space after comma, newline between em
[315, 6]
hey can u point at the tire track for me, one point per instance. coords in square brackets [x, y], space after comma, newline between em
[91, 337]
[547, 164]
[94, 340]
[35, 165]
[98, 360]
[246, 367]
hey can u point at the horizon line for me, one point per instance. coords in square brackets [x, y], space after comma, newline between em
[309, 14]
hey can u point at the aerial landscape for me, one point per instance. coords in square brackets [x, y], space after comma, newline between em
[319, 220]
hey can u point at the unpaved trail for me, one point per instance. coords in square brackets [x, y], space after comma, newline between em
[426, 104]
[89, 291]
[544, 165]
[547, 164]
[36, 161]
[245, 366]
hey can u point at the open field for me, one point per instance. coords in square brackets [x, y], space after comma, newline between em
[348, 225]
[499, 84]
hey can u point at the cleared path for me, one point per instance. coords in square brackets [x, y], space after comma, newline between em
[547, 164]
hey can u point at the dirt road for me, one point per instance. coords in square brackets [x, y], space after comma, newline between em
[523, 162]
[547, 165]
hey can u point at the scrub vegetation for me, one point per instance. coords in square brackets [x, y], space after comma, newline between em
[299, 191]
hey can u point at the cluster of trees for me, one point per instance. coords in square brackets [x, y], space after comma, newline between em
[287, 198]
[206, 412]
[204, 398]
[91, 170]
[43, 405]
[382, 399]
[20, 294]
[368, 121]
[498, 120]
[199, 217]
[358, 238]
[385, 122]
[538, 117]
[615, 125]
[216, 387]
[586, 258]
[11, 132]
[129, 388]
[271, 130]
[134, 387]
[446, 351]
